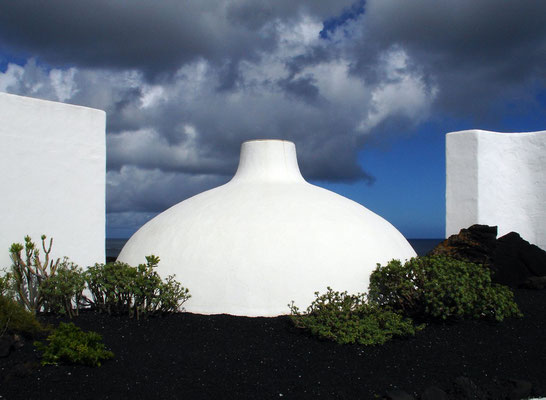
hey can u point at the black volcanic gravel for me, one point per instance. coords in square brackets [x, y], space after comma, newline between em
[189, 356]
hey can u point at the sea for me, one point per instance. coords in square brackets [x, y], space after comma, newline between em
[421, 246]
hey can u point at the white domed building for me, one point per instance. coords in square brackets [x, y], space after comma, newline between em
[265, 238]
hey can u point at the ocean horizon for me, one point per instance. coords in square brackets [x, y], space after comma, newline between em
[421, 246]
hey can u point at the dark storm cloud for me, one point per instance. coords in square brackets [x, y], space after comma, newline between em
[303, 87]
[337, 162]
[313, 56]
[147, 193]
[145, 34]
[474, 51]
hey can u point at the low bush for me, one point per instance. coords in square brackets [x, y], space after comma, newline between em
[347, 318]
[120, 288]
[14, 318]
[440, 288]
[171, 295]
[57, 286]
[110, 286]
[69, 344]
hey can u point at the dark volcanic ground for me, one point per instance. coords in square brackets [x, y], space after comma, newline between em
[189, 356]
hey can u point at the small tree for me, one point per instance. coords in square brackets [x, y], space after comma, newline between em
[29, 271]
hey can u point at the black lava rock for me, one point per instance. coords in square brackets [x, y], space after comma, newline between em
[434, 393]
[6, 344]
[475, 244]
[513, 261]
[522, 389]
[465, 388]
[397, 394]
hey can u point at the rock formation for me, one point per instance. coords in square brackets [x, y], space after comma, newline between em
[513, 260]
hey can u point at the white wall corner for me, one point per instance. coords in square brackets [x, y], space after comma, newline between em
[53, 175]
[509, 169]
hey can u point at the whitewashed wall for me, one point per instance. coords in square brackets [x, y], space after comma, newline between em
[52, 177]
[497, 179]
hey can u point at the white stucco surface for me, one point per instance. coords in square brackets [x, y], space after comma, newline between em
[497, 179]
[52, 175]
[265, 238]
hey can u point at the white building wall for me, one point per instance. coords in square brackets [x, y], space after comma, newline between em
[52, 177]
[461, 181]
[497, 179]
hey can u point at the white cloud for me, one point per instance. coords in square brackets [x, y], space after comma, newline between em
[148, 149]
[152, 95]
[63, 83]
[402, 93]
[10, 77]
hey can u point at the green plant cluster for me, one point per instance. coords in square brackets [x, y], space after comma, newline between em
[69, 344]
[58, 286]
[346, 318]
[424, 288]
[63, 292]
[14, 318]
[119, 288]
[438, 287]
[28, 271]
[5, 285]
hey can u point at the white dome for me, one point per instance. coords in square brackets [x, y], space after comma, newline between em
[265, 238]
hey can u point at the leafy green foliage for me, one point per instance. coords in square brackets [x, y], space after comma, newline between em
[119, 288]
[347, 318]
[14, 318]
[5, 285]
[440, 288]
[62, 292]
[28, 271]
[171, 295]
[45, 285]
[110, 286]
[69, 344]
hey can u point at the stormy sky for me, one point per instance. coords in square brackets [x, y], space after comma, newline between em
[185, 82]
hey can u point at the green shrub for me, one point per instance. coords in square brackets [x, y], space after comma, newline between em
[62, 292]
[146, 286]
[120, 288]
[115, 288]
[28, 271]
[171, 295]
[441, 288]
[347, 318]
[69, 344]
[5, 286]
[111, 286]
[14, 318]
